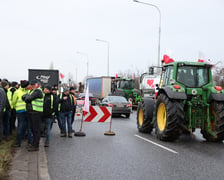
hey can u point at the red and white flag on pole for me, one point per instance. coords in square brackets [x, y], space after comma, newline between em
[62, 75]
[86, 104]
[202, 58]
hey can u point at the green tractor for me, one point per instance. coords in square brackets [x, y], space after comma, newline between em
[126, 87]
[186, 100]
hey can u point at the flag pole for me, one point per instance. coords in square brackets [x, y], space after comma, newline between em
[109, 133]
[80, 133]
[84, 112]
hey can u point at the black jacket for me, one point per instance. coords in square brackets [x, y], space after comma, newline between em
[28, 98]
[66, 105]
[7, 105]
[50, 108]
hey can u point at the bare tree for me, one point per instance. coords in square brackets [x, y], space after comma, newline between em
[218, 74]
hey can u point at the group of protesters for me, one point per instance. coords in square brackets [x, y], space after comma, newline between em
[34, 105]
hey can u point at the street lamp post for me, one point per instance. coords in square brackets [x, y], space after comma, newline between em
[159, 25]
[87, 62]
[108, 47]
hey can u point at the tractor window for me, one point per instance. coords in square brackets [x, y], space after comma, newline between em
[202, 76]
[125, 84]
[168, 75]
[192, 76]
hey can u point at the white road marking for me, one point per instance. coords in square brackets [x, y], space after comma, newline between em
[161, 146]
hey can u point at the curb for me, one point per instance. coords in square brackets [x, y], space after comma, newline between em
[42, 163]
[29, 165]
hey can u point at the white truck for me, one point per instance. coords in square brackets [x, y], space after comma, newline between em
[148, 85]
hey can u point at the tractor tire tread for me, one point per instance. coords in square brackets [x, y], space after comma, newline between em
[147, 107]
[174, 117]
[219, 126]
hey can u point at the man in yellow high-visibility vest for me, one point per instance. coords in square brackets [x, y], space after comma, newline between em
[34, 105]
[14, 87]
[22, 120]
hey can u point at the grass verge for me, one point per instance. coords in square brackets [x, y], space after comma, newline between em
[6, 154]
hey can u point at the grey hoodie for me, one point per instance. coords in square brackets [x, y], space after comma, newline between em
[2, 99]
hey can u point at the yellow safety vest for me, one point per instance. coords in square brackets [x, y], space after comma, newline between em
[17, 101]
[38, 103]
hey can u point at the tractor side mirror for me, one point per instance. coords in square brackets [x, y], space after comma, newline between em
[151, 70]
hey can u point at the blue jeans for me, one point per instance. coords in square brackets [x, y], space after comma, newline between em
[66, 116]
[22, 127]
[6, 123]
[59, 121]
[48, 124]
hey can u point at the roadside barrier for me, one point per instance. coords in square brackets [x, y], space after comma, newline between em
[99, 114]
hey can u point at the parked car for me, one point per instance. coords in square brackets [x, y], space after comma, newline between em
[119, 105]
[92, 99]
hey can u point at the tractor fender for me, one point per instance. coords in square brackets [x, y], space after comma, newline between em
[216, 97]
[172, 94]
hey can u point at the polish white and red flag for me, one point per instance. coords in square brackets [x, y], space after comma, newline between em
[86, 103]
[203, 58]
[62, 76]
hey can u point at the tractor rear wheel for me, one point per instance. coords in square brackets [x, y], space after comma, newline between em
[169, 114]
[145, 115]
[216, 113]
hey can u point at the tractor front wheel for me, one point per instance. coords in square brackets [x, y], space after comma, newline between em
[216, 125]
[145, 115]
[169, 115]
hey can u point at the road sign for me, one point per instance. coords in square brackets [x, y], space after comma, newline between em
[98, 114]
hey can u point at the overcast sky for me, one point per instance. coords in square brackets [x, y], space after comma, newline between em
[35, 33]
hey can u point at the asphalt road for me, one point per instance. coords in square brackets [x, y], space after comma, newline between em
[130, 155]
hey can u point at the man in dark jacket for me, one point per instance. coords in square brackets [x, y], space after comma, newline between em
[50, 107]
[14, 87]
[34, 106]
[65, 108]
[72, 92]
[7, 110]
[2, 106]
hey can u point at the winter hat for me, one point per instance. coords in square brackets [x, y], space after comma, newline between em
[47, 87]
[24, 83]
[4, 83]
[65, 89]
[34, 81]
[5, 80]
[14, 83]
